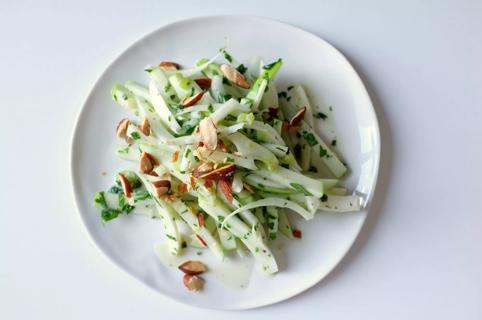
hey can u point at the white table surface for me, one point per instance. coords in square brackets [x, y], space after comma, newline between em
[419, 255]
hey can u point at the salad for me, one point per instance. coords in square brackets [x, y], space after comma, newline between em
[222, 159]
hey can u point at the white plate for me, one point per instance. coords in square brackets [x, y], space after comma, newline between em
[330, 79]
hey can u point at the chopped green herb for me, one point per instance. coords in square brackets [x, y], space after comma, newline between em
[141, 195]
[109, 214]
[333, 142]
[135, 135]
[227, 56]
[301, 189]
[124, 205]
[220, 218]
[170, 237]
[115, 189]
[271, 65]
[309, 138]
[324, 198]
[313, 169]
[99, 200]
[282, 94]
[321, 115]
[242, 68]
[323, 152]
[167, 86]
[289, 88]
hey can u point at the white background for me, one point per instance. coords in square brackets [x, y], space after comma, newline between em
[419, 255]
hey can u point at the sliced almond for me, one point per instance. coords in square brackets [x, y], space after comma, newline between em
[175, 156]
[193, 283]
[126, 186]
[145, 163]
[145, 127]
[208, 183]
[209, 135]
[193, 182]
[190, 101]
[121, 130]
[297, 233]
[285, 126]
[192, 267]
[162, 187]
[169, 65]
[200, 219]
[182, 187]
[296, 119]
[294, 129]
[203, 168]
[225, 187]
[234, 76]
[222, 173]
[222, 146]
[204, 83]
[168, 197]
[201, 241]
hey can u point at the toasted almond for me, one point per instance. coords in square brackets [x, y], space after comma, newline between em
[169, 65]
[162, 187]
[192, 210]
[193, 283]
[203, 168]
[209, 135]
[175, 156]
[200, 219]
[208, 183]
[192, 267]
[193, 182]
[145, 127]
[226, 189]
[222, 146]
[294, 129]
[296, 119]
[121, 130]
[234, 76]
[204, 83]
[162, 183]
[145, 163]
[285, 126]
[297, 233]
[168, 197]
[126, 186]
[201, 241]
[182, 187]
[190, 101]
[222, 173]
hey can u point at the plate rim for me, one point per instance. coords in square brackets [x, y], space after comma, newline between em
[75, 136]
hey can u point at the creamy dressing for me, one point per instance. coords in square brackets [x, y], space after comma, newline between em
[233, 272]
